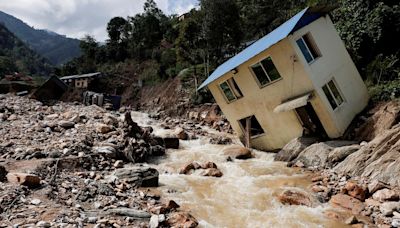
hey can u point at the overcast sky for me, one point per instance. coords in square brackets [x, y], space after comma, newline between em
[76, 18]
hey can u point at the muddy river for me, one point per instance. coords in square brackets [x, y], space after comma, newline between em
[245, 196]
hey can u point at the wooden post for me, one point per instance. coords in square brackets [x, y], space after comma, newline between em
[248, 129]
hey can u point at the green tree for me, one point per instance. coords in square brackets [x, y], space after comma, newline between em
[117, 29]
[221, 28]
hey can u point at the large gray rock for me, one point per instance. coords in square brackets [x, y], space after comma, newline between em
[291, 150]
[139, 176]
[378, 160]
[388, 208]
[340, 153]
[317, 154]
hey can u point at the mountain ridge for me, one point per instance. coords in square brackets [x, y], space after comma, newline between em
[58, 49]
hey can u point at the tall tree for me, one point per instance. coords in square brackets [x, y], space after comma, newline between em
[117, 29]
[221, 27]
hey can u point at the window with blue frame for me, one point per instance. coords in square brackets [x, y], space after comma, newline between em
[308, 48]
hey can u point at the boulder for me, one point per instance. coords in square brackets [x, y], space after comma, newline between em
[355, 190]
[66, 124]
[170, 205]
[107, 151]
[29, 180]
[294, 197]
[171, 142]
[103, 128]
[238, 152]
[212, 172]
[379, 160]
[387, 208]
[317, 154]
[181, 134]
[347, 202]
[291, 150]
[139, 176]
[3, 174]
[182, 220]
[376, 185]
[340, 153]
[186, 169]
[385, 195]
[208, 165]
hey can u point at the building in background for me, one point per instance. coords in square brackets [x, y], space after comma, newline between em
[81, 81]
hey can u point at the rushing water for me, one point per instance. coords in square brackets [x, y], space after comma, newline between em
[245, 196]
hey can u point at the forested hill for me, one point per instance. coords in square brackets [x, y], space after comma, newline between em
[15, 56]
[56, 48]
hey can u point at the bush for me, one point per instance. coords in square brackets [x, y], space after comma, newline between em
[385, 92]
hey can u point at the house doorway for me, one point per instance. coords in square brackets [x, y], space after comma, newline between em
[311, 124]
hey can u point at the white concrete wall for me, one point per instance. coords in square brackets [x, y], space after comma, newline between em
[336, 63]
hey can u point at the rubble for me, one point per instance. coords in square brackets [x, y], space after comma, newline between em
[71, 165]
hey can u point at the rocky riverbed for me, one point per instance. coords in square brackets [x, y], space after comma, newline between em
[363, 176]
[69, 165]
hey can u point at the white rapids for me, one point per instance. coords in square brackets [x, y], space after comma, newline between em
[245, 196]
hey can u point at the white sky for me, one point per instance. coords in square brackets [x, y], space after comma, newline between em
[76, 18]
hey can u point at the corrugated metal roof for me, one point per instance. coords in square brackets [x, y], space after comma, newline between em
[81, 76]
[256, 48]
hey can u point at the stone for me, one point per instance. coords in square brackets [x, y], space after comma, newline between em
[355, 190]
[43, 224]
[238, 152]
[317, 155]
[294, 197]
[340, 153]
[347, 202]
[182, 219]
[66, 124]
[108, 151]
[208, 165]
[36, 201]
[387, 208]
[170, 205]
[379, 160]
[103, 128]
[3, 174]
[129, 212]
[396, 222]
[385, 195]
[171, 142]
[118, 164]
[29, 180]
[212, 172]
[140, 176]
[376, 185]
[292, 149]
[186, 169]
[352, 220]
[181, 134]
[154, 221]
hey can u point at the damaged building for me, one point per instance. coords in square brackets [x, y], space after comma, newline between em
[298, 80]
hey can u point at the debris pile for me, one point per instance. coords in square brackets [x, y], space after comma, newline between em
[69, 165]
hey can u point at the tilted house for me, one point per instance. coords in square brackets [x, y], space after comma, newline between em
[297, 80]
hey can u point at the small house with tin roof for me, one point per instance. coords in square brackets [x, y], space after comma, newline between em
[298, 80]
[80, 81]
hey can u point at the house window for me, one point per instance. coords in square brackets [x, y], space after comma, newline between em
[231, 90]
[333, 94]
[308, 48]
[265, 71]
[255, 127]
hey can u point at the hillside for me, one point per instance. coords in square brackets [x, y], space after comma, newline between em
[15, 56]
[56, 48]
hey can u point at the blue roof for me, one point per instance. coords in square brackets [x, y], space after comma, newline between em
[256, 48]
